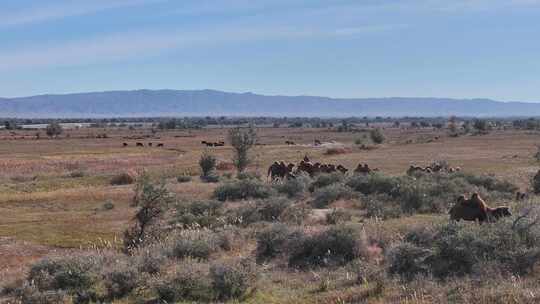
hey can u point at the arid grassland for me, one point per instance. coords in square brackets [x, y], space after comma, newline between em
[71, 210]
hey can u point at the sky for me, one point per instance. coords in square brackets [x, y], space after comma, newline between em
[337, 48]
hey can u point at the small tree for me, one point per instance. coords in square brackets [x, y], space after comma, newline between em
[453, 129]
[11, 125]
[377, 136]
[151, 201]
[53, 129]
[481, 125]
[207, 163]
[242, 140]
[537, 154]
[535, 183]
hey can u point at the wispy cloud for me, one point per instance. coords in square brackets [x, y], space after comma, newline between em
[127, 46]
[63, 9]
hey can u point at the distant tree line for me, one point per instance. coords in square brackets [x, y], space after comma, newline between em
[349, 124]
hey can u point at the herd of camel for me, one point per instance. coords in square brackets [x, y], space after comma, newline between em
[472, 209]
[280, 170]
[140, 144]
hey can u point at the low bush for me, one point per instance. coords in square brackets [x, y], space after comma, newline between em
[295, 214]
[270, 210]
[119, 280]
[323, 197]
[30, 294]
[377, 136]
[381, 206]
[424, 193]
[64, 273]
[189, 282]
[272, 241]
[208, 163]
[490, 183]
[183, 178]
[149, 260]
[108, 205]
[326, 179]
[374, 183]
[338, 216]
[198, 214]
[337, 151]
[126, 178]
[243, 189]
[197, 244]
[458, 249]
[407, 260]
[293, 188]
[248, 175]
[233, 280]
[77, 174]
[336, 246]
[211, 178]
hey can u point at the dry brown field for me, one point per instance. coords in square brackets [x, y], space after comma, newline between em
[52, 191]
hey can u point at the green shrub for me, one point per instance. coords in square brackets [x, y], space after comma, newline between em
[198, 214]
[293, 188]
[377, 136]
[535, 183]
[208, 163]
[242, 189]
[108, 205]
[30, 294]
[270, 210]
[183, 178]
[272, 241]
[149, 260]
[454, 249]
[374, 183]
[335, 246]
[407, 260]
[323, 197]
[490, 183]
[64, 273]
[338, 216]
[295, 214]
[151, 201]
[248, 175]
[77, 174]
[424, 193]
[189, 282]
[381, 206]
[198, 244]
[233, 280]
[326, 179]
[119, 280]
[211, 178]
[123, 179]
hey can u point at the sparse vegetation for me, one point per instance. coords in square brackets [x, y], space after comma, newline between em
[242, 140]
[124, 178]
[377, 136]
[242, 189]
[184, 178]
[207, 163]
[54, 129]
[331, 238]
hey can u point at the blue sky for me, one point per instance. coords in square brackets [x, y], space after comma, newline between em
[339, 48]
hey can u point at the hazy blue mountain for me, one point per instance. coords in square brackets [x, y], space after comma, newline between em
[216, 103]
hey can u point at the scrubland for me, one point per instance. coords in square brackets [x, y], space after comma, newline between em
[69, 209]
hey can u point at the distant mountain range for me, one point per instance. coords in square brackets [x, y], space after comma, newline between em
[149, 103]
